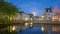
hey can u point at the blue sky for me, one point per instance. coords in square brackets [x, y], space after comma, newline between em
[38, 6]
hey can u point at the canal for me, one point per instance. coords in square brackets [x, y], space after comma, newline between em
[42, 29]
[30, 29]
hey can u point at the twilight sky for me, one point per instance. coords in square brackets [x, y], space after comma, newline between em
[38, 6]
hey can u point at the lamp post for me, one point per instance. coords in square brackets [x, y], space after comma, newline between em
[34, 14]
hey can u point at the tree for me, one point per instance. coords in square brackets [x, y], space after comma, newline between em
[7, 12]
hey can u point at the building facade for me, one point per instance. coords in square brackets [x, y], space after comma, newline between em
[56, 14]
[47, 14]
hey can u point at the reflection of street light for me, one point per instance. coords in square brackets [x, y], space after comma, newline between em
[26, 24]
[13, 28]
[31, 24]
[42, 28]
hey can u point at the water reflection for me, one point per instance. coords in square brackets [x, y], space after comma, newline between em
[14, 27]
[29, 28]
[55, 29]
[43, 29]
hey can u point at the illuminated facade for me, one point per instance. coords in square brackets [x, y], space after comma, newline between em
[55, 18]
[56, 14]
[52, 15]
[25, 16]
[47, 15]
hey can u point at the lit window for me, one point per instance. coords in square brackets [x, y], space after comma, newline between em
[26, 19]
[31, 18]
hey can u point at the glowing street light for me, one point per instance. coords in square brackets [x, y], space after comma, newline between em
[31, 24]
[26, 24]
[26, 19]
[34, 13]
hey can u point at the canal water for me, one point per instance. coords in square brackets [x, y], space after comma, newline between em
[34, 30]
[44, 29]
[30, 29]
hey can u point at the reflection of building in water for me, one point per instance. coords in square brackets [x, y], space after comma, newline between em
[12, 28]
[55, 29]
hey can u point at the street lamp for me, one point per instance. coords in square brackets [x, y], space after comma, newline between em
[26, 19]
[34, 13]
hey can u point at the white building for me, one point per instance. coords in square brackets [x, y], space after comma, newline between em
[23, 17]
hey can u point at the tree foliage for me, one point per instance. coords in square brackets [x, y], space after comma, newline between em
[7, 11]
